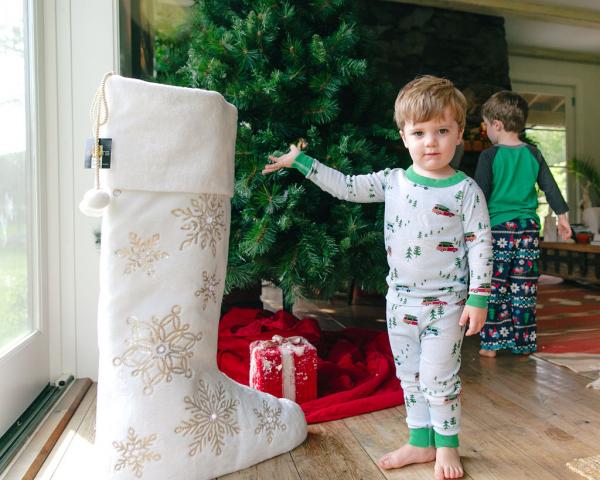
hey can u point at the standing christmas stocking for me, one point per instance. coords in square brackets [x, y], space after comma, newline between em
[164, 409]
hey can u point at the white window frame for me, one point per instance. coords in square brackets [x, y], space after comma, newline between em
[80, 46]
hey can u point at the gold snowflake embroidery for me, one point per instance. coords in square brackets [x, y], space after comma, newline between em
[135, 452]
[208, 291]
[213, 417]
[159, 349]
[141, 254]
[204, 221]
[269, 421]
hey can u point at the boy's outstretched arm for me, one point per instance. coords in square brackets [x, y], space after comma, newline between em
[284, 161]
[353, 188]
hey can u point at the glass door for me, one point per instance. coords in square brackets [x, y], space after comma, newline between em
[23, 334]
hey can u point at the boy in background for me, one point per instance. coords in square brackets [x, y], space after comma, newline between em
[507, 173]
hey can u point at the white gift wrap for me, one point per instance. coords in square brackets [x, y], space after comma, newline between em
[164, 410]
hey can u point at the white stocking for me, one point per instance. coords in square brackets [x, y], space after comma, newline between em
[164, 409]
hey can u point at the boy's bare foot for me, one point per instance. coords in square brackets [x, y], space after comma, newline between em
[487, 353]
[406, 455]
[447, 464]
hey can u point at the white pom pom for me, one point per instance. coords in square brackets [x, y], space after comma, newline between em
[96, 198]
[89, 212]
[93, 202]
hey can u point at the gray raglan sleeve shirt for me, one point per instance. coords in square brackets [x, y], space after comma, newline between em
[546, 181]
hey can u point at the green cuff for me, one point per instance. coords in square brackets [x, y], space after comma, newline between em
[303, 163]
[450, 441]
[421, 437]
[480, 301]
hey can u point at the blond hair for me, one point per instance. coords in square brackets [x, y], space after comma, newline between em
[427, 98]
[509, 108]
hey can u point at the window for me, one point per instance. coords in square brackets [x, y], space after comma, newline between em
[16, 178]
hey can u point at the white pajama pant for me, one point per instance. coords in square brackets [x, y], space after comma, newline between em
[426, 343]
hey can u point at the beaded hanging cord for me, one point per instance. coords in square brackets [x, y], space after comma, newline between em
[95, 200]
[99, 116]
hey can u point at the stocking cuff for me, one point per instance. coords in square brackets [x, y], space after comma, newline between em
[168, 139]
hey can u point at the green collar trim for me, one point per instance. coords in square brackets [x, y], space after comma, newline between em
[434, 182]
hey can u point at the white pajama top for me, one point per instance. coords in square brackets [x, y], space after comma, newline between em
[437, 232]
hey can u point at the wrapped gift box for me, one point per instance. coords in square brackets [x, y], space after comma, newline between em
[284, 367]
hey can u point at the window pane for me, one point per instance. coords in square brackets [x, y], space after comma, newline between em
[15, 178]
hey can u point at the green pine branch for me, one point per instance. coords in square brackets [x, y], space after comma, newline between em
[293, 70]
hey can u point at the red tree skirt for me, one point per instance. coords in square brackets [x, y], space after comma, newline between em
[356, 371]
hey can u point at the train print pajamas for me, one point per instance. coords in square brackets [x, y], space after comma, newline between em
[439, 247]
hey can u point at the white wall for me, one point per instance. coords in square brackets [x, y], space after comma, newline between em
[585, 79]
[81, 45]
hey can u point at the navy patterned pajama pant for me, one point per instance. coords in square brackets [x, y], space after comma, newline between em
[511, 321]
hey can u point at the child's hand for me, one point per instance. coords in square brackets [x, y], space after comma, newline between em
[475, 316]
[564, 228]
[284, 161]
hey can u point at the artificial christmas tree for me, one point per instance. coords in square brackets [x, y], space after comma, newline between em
[164, 409]
[293, 71]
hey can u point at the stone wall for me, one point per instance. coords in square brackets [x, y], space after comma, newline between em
[408, 40]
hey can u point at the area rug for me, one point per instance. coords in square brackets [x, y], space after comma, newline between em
[568, 320]
[587, 365]
[356, 372]
[588, 467]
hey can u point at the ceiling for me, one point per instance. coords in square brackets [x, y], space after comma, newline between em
[577, 38]
[569, 38]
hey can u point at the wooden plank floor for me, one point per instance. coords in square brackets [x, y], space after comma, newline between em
[522, 419]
